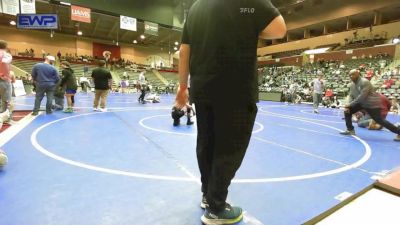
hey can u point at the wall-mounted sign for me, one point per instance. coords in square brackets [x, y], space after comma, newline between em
[28, 7]
[128, 23]
[10, 7]
[150, 28]
[80, 14]
[37, 21]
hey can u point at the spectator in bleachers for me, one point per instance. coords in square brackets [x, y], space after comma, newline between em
[45, 78]
[59, 55]
[375, 81]
[363, 97]
[5, 76]
[32, 52]
[369, 74]
[395, 106]
[388, 83]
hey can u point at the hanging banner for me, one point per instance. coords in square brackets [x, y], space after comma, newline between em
[10, 7]
[80, 14]
[128, 23]
[150, 28]
[37, 21]
[28, 6]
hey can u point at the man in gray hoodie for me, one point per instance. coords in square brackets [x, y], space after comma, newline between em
[363, 96]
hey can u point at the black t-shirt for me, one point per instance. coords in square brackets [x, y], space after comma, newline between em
[101, 76]
[223, 36]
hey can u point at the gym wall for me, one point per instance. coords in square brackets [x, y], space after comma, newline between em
[19, 40]
[393, 30]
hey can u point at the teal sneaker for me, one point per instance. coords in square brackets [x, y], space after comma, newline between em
[68, 110]
[230, 215]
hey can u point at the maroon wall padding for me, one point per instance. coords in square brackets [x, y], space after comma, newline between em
[98, 50]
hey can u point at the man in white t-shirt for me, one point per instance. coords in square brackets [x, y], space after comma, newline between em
[142, 78]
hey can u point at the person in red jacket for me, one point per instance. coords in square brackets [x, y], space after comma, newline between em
[386, 105]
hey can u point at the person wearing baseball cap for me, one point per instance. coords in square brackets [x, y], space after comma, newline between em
[45, 78]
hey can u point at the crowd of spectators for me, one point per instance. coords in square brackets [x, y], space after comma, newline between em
[295, 82]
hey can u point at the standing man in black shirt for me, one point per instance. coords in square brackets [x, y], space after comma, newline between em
[219, 49]
[102, 83]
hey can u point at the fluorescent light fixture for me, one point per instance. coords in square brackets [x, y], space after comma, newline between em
[176, 43]
[12, 22]
[80, 33]
[316, 51]
[142, 36]
[65, 3]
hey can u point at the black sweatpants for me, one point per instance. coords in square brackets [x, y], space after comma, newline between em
[223, 135]
[375, 115]
[142, 94]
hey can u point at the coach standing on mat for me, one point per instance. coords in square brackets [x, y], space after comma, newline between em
[102, 79]
[363, 96]
[45, 78]
[219, 47]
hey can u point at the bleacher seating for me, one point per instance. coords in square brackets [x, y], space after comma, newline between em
[330, 46]
[363, 44]
[170, 76]
[27, 65]
[288, 53]
[335, 75]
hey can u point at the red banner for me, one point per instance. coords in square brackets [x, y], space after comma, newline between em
[80, 14]
[99, 49]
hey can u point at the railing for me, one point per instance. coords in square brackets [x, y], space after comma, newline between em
[19, 72]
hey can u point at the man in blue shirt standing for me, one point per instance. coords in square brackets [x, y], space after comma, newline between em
[45, 78]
